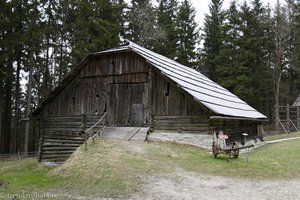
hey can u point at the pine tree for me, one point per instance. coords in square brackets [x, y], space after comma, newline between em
[187, 34]
[212, 38]
[166, 16]
[16, 22]
[268, 49]
[228, 64]
[142, 25]
[96, 26]
[261, 79]
[296, 50]
[281, 44]
[241, 64]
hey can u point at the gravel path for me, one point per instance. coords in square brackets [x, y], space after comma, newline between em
[281, 140]
[189, 185]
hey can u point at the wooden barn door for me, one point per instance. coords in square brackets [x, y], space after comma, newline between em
[125, 106]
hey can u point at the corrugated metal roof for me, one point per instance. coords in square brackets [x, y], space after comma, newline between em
[210, 94]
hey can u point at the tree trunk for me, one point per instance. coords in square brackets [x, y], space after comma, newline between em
[15, 135]
[276, 97]
[1, 110]
[281, 46]
[7, 110]
[27, 128]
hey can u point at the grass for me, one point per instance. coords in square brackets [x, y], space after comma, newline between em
[273, 161]
[110, 169]
[25, 176]
[282, 136]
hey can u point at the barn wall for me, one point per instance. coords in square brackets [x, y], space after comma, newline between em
[170, 100]
[172, 109]
[119, 84]
[112, 83]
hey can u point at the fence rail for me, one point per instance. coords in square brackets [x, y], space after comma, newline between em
[288, 118]
[94, 130]
[18, 156]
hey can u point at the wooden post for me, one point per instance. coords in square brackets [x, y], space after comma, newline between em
[83, 126]
[150, 93]
[288, 118]
[277, 118]
[151, 121]
[41, 138]
[28, 107]
[298, 117]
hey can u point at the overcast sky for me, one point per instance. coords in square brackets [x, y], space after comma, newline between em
[201, 6]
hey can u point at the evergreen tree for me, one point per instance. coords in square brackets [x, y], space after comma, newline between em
[212, 38]
[228, 63]
[166, 16]
[281, 44]
[268, 49]
[96, 26]
[296, 50]
[17, 22]
[242, 64]
[187, 35]
[142, 25]
[261, 79]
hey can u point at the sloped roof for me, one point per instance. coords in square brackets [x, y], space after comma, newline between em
[210, 94]
[297, 101]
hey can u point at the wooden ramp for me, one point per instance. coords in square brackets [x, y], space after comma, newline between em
[125, 133]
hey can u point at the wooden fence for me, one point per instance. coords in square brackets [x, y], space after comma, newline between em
[287, 119]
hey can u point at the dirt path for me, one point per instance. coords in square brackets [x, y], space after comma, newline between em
[189, 185]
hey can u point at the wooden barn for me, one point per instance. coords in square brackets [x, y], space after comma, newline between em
[135, 87]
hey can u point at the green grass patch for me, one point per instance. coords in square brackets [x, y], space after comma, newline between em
[25, 176]
[282, 136]
[273, 161]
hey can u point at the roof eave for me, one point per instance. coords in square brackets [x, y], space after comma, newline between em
[237, 118]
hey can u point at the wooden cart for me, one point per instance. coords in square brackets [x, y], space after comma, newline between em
[219, 146]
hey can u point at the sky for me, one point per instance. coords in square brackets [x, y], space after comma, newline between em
[202, 8]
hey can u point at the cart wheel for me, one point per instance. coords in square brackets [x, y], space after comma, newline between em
[214, 149]
[236, 152]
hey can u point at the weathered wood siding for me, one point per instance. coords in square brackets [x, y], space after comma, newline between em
[180, 124]
[61, 136]
[126, 87]
[173, 109]
[112, 83]
[169, 100]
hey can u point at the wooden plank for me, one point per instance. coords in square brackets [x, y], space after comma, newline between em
[64, 138]
[60, 148]
[132, 133]
[179, 129]
[166, 123]
[137, 114]
[158, 117]
[63, 141]
[65, 156]
[64, 134]
[55, 152]
[60, 129]
[57, 144]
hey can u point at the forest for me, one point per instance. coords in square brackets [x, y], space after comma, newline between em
[252, 49]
